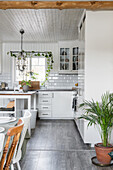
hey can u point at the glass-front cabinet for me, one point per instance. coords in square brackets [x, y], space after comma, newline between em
[75, 58]
[69, 60]
[64, 59]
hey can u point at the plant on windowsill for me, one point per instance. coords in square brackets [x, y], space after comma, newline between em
[25, 85]
[101, 115]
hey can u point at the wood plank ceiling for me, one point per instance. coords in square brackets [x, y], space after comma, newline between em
[44, 25]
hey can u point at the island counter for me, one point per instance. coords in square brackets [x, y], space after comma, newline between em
[30, 96]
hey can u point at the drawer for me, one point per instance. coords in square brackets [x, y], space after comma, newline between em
[45, 114]
[45, 101]
[45, 107]
[45, 94]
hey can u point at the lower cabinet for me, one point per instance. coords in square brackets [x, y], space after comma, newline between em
[44, 104]
[57, 104]
[62, 105]
[45, 114]
[89, 134]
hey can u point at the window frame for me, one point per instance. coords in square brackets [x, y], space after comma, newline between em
[14, 68]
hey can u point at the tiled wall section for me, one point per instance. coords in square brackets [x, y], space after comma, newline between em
[81, 80]
[57, 81]
[6, 77]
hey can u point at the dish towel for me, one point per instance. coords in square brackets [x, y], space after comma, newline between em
[74, 104]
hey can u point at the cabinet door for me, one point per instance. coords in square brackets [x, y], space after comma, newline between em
[64, 59]
[62, 105]
[75, 59]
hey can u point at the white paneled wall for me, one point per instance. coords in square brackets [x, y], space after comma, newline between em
[55, 80]
[32, 47]
[7, 60]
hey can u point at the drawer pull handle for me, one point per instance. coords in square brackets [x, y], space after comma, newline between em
[44, 94]
[45, 114]
[45, 100]
[45, 107]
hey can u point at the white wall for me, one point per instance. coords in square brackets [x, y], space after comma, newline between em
[7, 60]
[0, 57]
[98, 61]
[28, 47]
[99, 54]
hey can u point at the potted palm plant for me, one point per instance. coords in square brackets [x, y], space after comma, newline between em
[101, 114]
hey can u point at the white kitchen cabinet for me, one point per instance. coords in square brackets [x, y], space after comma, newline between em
[62, 105]
[65, 58]
[44, 104]
[45, 113]
[55, 104]
[89, 134]
[69, 57]
[69, 60]
[75, 58]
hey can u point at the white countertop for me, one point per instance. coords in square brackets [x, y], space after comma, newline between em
[16, 93]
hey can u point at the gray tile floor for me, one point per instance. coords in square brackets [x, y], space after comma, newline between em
[57, 145]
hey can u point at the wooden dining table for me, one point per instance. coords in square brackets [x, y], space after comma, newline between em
[3, 135]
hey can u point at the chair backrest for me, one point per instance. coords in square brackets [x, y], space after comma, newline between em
[26, 120]
[15, 133]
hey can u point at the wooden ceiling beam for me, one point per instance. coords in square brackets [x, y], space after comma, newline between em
[90, 5]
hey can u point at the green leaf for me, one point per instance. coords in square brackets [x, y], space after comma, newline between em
[50, 55]
[46, 56]
[100, 113]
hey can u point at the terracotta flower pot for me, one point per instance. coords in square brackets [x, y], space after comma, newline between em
[102, 153]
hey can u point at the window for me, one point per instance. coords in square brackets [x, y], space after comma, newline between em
[36, 65]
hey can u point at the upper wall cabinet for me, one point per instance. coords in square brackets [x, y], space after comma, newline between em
[75, 58]
[68, 57]
[65, 59]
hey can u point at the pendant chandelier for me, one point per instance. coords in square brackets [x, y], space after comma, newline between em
[21, 60]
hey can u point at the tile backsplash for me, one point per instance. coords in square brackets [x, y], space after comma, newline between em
[6, 77]
[58, 81]
[55, 80]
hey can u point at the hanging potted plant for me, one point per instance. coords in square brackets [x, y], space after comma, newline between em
[25, 85]
[101, 115]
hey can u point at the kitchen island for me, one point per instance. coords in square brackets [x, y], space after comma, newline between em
[18, 98]
[16, 95]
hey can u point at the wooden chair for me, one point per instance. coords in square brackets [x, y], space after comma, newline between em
[9, 152]
[18, 154]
